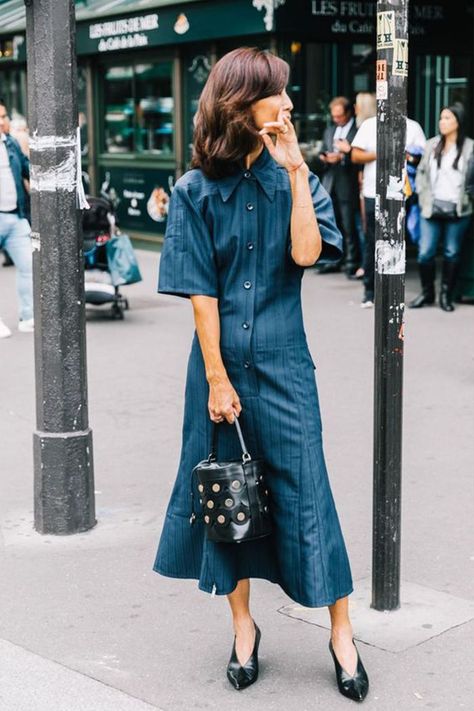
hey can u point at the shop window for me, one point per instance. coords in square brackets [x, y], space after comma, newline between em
[119, 110]
[13, 90]
[154, 108]
[138, 105]
[313, 81]
[196, 70]
[441, 81]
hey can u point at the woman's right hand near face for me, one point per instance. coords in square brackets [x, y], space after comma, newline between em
[223, 400]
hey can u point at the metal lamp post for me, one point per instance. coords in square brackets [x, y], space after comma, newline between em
[64, 481]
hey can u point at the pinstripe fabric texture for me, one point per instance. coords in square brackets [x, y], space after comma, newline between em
[230, 239]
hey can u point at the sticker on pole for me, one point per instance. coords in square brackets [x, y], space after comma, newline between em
[385, 29]
[400, 58]
[381, 70]
[389, 257]
[382, 90]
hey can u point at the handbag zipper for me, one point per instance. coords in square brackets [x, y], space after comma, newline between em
[214, 590]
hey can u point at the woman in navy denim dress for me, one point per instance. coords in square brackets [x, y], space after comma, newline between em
[243, 224]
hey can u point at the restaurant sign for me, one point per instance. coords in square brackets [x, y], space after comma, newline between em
[338, 19]
[173, 24]
[124, 33]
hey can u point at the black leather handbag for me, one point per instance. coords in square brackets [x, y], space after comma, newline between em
[444, 210]
[234, 496]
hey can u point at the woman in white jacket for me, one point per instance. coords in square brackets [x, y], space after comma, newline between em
[446, 206]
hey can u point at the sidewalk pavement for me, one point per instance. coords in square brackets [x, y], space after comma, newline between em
[86, 624]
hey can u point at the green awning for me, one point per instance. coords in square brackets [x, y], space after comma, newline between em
[12, 12]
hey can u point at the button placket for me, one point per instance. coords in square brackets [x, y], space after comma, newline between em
[251, 194]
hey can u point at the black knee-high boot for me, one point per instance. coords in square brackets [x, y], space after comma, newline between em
[427, 271]
[448, 282]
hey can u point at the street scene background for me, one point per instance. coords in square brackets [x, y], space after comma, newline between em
[85, 623]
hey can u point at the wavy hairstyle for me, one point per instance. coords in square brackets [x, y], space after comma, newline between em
[224, 130]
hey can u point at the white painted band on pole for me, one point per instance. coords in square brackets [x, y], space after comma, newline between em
[45, 143]
[389, 257]
[81, 199]
[59, 177]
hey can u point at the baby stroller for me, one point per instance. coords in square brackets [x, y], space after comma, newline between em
[108, 256]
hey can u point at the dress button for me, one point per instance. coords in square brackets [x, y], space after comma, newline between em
[250, 245]
[246, 364]
[247, 284]
[249, 206]
[245, 325]
[247, 174]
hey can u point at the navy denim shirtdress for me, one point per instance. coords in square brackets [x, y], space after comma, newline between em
[230, 239]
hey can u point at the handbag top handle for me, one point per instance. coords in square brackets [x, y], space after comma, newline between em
[245, 455]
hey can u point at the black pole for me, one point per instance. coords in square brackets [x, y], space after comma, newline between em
[392, 71]
[64, 481]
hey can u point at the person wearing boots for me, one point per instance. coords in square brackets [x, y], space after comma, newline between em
[446, 206]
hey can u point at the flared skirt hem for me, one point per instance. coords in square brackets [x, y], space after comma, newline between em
[292, 596]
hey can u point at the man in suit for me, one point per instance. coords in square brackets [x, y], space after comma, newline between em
[340, 178]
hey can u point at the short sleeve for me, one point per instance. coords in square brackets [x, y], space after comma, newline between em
[360, 139]
[187, 264]
[330, 235]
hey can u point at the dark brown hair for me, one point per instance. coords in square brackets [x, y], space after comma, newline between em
[224, 131]
[458, 112]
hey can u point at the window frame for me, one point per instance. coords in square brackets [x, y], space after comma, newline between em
[144, 157]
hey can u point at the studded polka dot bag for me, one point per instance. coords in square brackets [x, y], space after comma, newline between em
[233, 495]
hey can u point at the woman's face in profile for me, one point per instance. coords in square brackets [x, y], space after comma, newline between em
[272, 108]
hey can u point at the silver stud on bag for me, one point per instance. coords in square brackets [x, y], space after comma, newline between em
[206, 519]
[229, 503]
[200, 487]
[221, 519]
[216, 488]
[210, 504]
[241, 516]
[236, 484]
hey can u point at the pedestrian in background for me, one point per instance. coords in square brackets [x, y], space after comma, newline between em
[364, 147]
[365, 107]
[19, 131]
[14, 225]
[446, 206]
[340, 178]
[242, 226]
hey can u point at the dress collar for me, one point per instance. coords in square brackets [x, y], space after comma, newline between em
[264, 170]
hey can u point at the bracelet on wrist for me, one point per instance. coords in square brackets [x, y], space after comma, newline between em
[292, 170]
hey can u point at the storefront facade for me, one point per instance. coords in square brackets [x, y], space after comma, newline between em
[141, 70]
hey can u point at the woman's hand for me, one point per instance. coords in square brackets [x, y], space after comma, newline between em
[285, 150]
[223, 402]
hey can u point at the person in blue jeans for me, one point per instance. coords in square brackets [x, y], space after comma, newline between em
[14, 224]
[446, 206]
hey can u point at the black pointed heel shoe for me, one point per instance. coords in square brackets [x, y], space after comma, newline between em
[242, 676]
[354, 687]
